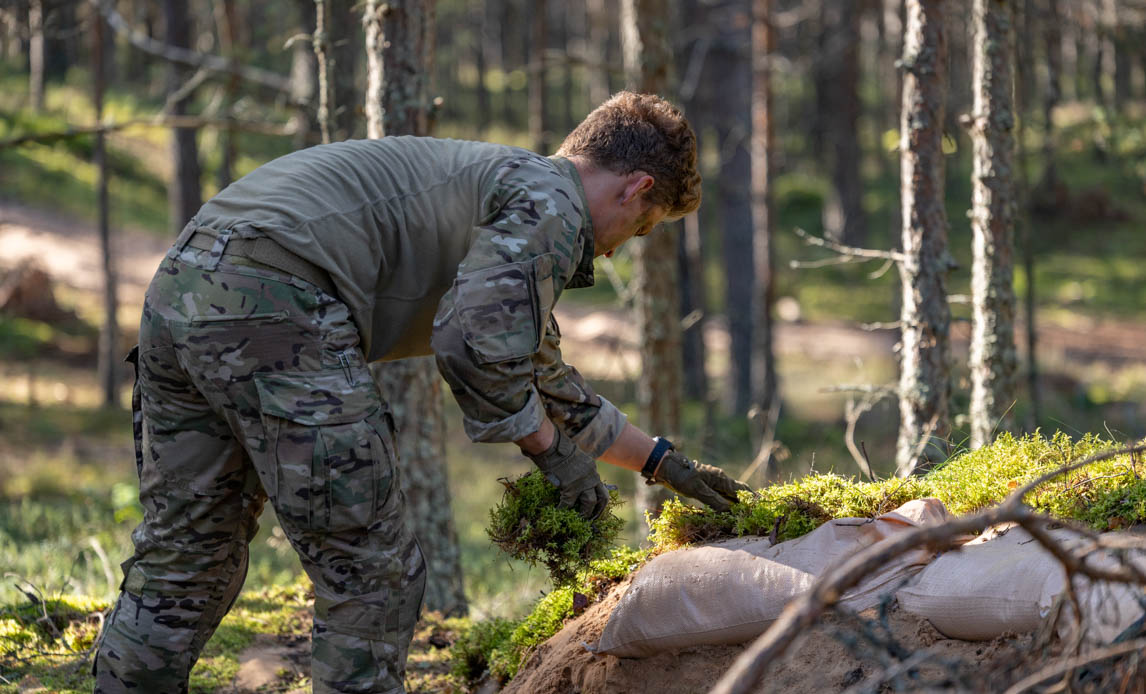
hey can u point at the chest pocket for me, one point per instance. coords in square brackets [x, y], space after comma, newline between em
[331, 448]
[503, 310]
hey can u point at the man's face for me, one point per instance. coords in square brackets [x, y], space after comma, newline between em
[622, 221]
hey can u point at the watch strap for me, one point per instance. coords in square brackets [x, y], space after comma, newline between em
[662, 446]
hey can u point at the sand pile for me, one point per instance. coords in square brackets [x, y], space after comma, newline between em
[837, 653]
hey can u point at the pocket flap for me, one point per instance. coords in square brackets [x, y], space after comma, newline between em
[316, 398]
[497, 309]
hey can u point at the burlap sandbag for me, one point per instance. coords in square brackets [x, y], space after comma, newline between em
[1001, 581]
[729, 592]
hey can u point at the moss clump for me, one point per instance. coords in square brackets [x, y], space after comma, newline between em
[1107, 495]
[528, 525]
[500, 646]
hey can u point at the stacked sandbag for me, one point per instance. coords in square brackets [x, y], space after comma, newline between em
[730, 592]
[1005, 581]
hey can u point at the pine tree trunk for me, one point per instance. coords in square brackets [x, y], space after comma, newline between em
[924, 384]
[597, 45]
[184, 192]
[763, 214]
[648, 58]
[109, 332]
[227, 20]
[844, 218]
[993, 355]
[36, 54]
[539, 128]
[399, 53]
[1052, 93]
[693, 307]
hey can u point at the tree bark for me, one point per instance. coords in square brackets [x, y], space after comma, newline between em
[693, 307]
[227, 21]
[993, 355]
[924, 384]
[399, 53]
[648, 58]
[1052, 93]
[184, 193]
[540, 132]
[763, 214]
[844, 218]
[36, 54]
[597, 44]
[109, 331]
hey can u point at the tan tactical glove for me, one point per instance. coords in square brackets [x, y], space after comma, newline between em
[702, 482]
[574, 474]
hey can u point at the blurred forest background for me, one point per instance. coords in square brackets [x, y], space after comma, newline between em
[153, 107]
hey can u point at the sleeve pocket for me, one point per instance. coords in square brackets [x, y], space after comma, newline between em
[329, 447]
[497, 309]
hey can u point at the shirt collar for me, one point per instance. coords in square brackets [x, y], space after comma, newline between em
[583, 274]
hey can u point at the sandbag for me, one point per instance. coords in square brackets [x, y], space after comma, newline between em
[1002, 581]
[730, 592]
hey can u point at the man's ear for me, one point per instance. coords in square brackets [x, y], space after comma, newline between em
[637, 185]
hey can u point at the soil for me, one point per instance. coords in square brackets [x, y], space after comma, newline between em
[839, 652]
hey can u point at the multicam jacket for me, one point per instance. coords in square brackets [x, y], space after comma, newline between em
[459, 248]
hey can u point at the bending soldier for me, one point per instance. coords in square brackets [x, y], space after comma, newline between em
[252, 380]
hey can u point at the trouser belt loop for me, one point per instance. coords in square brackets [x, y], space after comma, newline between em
[184, 236]
[216, 252]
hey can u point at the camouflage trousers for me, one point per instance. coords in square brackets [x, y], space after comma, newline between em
[251, 384]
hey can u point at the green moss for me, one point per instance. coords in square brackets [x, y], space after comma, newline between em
[528, 525]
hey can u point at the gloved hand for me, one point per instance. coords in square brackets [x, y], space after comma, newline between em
[702, 482]
[574, 474]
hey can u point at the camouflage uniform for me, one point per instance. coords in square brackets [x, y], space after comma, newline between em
[252, 383]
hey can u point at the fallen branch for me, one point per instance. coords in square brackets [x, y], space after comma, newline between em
[160, 122]
[801, 613]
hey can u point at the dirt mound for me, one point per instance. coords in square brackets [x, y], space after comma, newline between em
[840, 651]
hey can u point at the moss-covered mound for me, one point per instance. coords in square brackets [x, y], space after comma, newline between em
[527, 525]
[1107, 495]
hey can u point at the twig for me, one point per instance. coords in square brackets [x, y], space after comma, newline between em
[185, 90]
[840, 248]
[802, 612]
[891, 325]
[1069, 664]
[184, 56]
[768, 445]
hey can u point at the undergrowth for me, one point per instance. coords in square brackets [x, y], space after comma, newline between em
[1107, 495]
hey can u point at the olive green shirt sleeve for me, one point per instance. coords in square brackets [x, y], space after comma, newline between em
[492, 337]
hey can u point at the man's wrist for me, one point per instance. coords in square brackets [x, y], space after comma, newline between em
[663, 446]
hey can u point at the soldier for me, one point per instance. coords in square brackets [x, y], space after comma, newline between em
[252, 380]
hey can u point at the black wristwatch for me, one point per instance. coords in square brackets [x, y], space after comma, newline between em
[663, 446]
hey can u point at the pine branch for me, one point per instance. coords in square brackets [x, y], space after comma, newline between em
[175, 54]
[849, 251]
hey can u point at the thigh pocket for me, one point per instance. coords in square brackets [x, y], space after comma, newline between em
[330, 448]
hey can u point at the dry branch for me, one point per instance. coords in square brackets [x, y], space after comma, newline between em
[206, 61]
[849, 251]
[160, 122]
[1069, 664]
[801, 613]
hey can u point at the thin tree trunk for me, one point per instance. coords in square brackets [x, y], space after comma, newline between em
[184, 193]
[399, 53]
[539, 128]
[734, 186]
[227, 21]
[1024, 94]
[844, 218]
[690, 265]
[1052, 92]
[343, 49]
[597, 73]
[648, 58]
[36, 54]
[567, 118]
[321, 43]
[109, 331]
[304, 75]
[924, 384]
[763, 215]
[481, 43]
[993, 356]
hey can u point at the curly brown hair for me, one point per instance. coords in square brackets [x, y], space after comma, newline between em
[642, 132]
